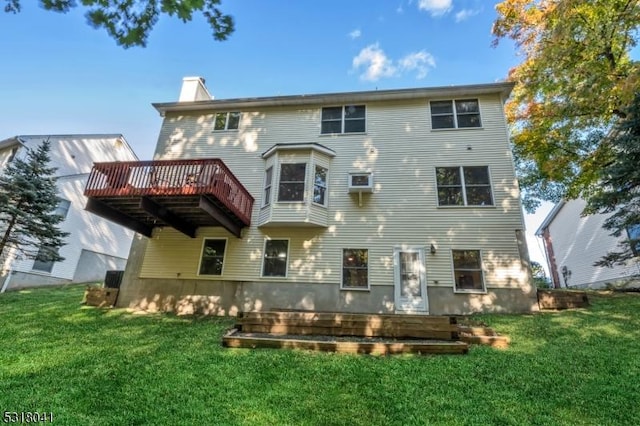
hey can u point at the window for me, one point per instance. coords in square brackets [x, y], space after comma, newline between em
[268, 179]
[292, 178]
[275, 258]
[343, 119]
[320, 186]
[212, 259]
[460, 113]
[63, 208]
[355, 268]
[226, 121]
[467, 270]
[464, 186]
[633, 232]
[43, 260]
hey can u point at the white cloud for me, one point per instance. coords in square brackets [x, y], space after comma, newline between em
[435, 7]
[465, 14]
[375, 63]
[355, 34]
[419, 61]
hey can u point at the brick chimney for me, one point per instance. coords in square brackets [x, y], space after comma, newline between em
[193, 89]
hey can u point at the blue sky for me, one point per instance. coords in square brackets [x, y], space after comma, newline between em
[59, 75]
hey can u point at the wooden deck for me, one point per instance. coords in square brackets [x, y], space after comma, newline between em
[183, 194]
[562, 299]
[347, 333]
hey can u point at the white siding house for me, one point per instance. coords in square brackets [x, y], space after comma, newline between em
[94, 245]
[382, 201]
[574, 242]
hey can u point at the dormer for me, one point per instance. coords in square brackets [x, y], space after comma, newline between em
[296, 185]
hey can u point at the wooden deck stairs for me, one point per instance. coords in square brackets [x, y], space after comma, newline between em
[347, 333]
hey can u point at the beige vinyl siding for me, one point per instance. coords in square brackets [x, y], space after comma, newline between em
[401, 150]
[171, 253]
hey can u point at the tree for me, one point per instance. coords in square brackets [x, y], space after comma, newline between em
[28, 201]
[576, 76]
[619, 191]
[130, 21]
[539, 275]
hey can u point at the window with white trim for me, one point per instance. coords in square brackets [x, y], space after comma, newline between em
[63, 208]
[292, 180]
[212, 259]
[343, 119]
[320, 186]
[43, 258]
[276, 253]
[355, 268]
[268, 180]
[467, 270]
[464, 186]
[226, 121]
[454, 114]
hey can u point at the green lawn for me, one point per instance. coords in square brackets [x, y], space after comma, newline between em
[92, 367]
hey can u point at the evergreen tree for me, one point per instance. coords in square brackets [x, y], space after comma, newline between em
[618, 192]
[28, 201]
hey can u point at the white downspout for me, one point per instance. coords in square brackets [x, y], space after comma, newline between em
[7, 280]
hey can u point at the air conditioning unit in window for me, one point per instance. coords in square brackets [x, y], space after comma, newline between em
[361, 182]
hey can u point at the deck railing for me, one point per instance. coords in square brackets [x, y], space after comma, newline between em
[171, 178]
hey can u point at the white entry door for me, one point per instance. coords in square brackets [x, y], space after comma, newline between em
[410, 280]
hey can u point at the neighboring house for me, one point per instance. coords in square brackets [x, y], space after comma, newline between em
[381, 201]
[94, 245]
[574, 242]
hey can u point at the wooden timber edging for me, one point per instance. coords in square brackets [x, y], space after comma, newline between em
[100, 296]
[483, 336]
[234, 339]
[562, 299]
[347, 333]
[338, 324]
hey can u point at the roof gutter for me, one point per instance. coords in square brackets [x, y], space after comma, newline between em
[547, 220]
[503, 89]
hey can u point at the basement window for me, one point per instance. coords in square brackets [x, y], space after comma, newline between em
[276, 253]
[212, 259]
[355, 269]
[467, 271]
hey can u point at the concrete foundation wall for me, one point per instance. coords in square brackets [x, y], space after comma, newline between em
[186, 297]
[20, 280]
[93, 266]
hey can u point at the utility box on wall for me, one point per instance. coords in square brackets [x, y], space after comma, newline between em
[113, 279]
